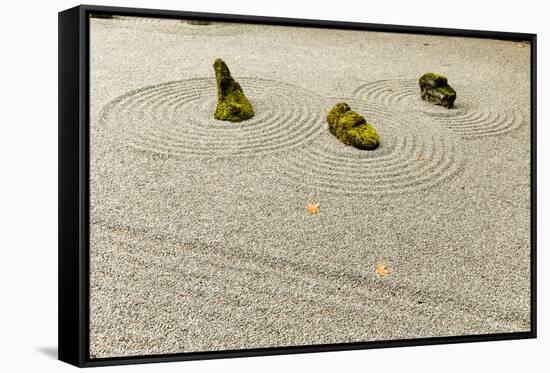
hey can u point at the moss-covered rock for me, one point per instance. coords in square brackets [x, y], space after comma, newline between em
[101, 15]
[435, 89]
[233, 105]
[351, 128]
[198, 22]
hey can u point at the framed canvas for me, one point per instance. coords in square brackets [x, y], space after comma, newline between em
[236, 186]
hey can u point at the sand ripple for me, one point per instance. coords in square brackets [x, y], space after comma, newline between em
[466, 119]
[412, 156]
[176, 119]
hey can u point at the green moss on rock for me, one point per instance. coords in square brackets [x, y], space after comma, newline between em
[198, 22]
[233, 105]
[351, 128]
[435, 89]
[101, 15]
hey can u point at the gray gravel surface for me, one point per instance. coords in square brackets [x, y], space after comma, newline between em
[200, 239]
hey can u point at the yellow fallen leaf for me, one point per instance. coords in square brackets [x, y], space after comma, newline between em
[312, 208]
[420, 158]
[381, 269]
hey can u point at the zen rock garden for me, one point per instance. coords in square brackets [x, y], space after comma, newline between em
[345, 124]
[434, 89]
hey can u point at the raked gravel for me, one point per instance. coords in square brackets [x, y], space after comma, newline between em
[200, 238]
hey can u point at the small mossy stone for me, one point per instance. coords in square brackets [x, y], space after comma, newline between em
[198, 22]
[101, 15]
[435, 89]
[351, 128]
[233, 105]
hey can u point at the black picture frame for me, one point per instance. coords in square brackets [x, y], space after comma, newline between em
[73, 254]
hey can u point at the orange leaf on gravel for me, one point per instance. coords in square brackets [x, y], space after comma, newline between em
[382, 270]
[312, 208]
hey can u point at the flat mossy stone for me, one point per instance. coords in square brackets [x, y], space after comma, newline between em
[233, 105]
[101, 15]
[435, 89]
[351, 128]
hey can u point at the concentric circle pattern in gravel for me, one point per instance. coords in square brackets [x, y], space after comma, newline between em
[177, 119]
[467, 119]
[413, 155]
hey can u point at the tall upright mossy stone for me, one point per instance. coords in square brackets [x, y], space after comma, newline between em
[351, 128]
[233, 105]
[435, 89]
